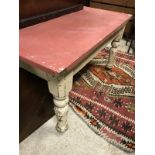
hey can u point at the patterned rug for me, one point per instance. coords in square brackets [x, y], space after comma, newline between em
[105, 99]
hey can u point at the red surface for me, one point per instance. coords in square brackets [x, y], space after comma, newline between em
[61, 43]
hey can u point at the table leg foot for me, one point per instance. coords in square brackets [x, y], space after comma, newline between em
[61, 111]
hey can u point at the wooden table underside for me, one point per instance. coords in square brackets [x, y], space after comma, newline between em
[60, 84]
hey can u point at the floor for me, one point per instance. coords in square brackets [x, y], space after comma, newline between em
[78, 140]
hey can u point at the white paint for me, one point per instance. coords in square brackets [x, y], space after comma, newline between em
[31, 56]
[51, 66]
[61, 69]
[60, 90]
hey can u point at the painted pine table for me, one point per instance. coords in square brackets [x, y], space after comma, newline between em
[57, 49]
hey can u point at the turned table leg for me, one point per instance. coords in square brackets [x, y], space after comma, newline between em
[114, 45]
[60, 88]
[61, 111]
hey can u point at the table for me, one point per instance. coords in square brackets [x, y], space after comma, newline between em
[57, 49]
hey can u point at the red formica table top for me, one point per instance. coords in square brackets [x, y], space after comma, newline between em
[61, 43]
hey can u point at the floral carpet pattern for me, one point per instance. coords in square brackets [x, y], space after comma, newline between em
[105, 99]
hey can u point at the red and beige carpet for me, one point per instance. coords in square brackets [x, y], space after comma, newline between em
[105, 99]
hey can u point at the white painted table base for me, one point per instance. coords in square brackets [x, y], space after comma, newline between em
[60, 86]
